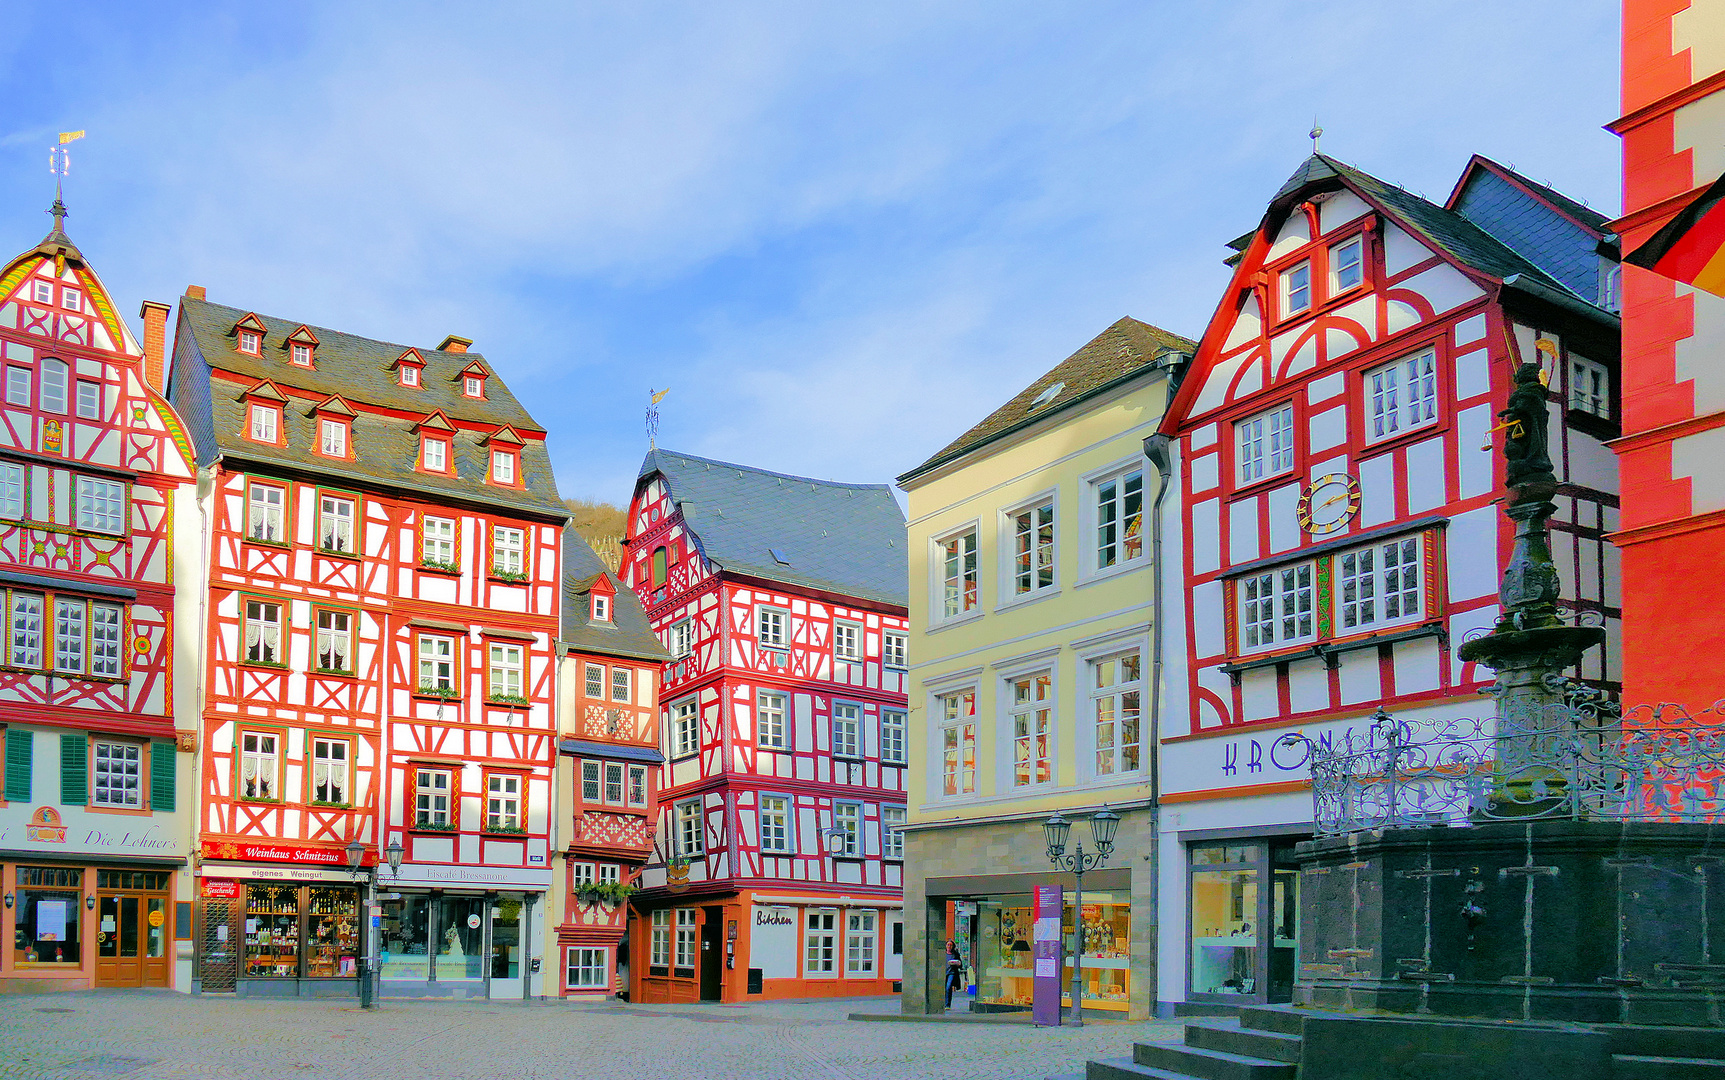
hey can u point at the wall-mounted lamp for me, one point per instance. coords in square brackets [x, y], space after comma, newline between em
[8, 900]
[89, 903]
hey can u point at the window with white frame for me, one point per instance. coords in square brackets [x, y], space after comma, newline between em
[409, 375]
[116, 774]
[591, 784]
[894, 649]
[12, 491]
[582, 873]
[265, 503]
[473, 386]
[506, 663]
[614, 783]
[685, 728]
[1276, 606]
[847, 818]
[89, 403]
[71, 299]
[503, 802]
[1032, 531]
[770, 730]
[263, 631]
[1032, 729]
[820, 937]
[681, 638]
[107, 623]
[1401, 395]
[259, 761]
[958, 742]
[1589, 387]
[437, 541]
[1347, 265]
[892, 820]
[847, 641]
[1378, 585]
[1265, 444]
[1116, 702]
[507, 546]
[54, 386]
[436, 455]
[601, 607]
[892, 736]
[502, 467]
[690, 841]
[595, 677]
[860, 943]
[610, 873]
[332, 438]
[43, 291]
[334, 640]
[589, 969]
[18, 381]
[431, 797]
[24, 630]
[770, 627]
[688, 932]
[847, 730]
[335, 524]
[1296, 289]
[436, 663]
[265, 420]
[776, 824]
[101, 505]
[958, 574]
[620, 684]
[637, 785]
[329, 762]
[659, 940]
[1119, 506]
[69, 635]
[250, 342]
[301, 354]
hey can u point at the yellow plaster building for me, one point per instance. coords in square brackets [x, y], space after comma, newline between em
[1032, 539]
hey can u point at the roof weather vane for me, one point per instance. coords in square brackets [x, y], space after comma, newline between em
[1315, 134]
[653, 416]
[59, 163]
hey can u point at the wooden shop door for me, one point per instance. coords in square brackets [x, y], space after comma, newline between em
[131, 929]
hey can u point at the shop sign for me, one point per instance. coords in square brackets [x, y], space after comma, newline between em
[774, 917]
[220, 889]
[289, 853]
[156, 917]
[1248, 760]
[266, 872]
[45, 827]
[75, 829]
[440, 874]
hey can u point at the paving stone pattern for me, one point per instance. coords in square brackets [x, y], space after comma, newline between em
[158, 1035]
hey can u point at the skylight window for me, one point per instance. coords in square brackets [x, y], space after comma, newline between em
[779, 556]
[1047, 396]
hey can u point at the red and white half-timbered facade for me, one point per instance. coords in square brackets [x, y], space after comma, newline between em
[778, 865]
[96, 484]
[384, 542]
[1339, 533]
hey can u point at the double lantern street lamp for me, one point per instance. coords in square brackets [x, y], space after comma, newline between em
[355, 856]
[1103, 825]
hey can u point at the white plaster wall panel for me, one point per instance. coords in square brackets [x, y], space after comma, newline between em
[1363, 311]
[1204, 436]
[1359, 677]
[1207, 629]
[1525, 339]
[1206, 536]
[1613, 576]
[1614, 646]
[1473, 472]
[1338, 342]
[1444, 287]
[1219, 684]
[1696, 126]
[1294, 232]
[1326, 429]
[1472, 373]
[1398, 316]
[1425, 475]
[1416, 665]
[1337, 464]
[1587, 571]
[1322, 390]
[1203, 471]
[1339, 209]
[1698, 457]
[1243, 530]
[1248, 324]
[1215, 390]
[1284, 524]
[1305, 357]
[1251, 379]
[1470, 554]
[1470, 330]
[1377, 490]
[1592, 465]
[1698, 354]
[1308, 686]
[1259, 698]
[1401, 250]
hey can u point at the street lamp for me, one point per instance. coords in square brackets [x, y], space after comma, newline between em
[1103, 825]
[355, 856]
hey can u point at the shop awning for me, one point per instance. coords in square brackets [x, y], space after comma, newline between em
[615, 751]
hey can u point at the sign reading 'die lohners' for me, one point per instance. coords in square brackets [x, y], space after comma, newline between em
[70, 828]
[1251, 758]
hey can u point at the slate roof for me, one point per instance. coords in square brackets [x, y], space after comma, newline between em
[846, 539]
[1116, 354]
[1507, 205]
[385, 448]
[628, 634]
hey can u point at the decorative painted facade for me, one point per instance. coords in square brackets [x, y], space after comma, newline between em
[96, 486]
[777, 870]
[384, 545]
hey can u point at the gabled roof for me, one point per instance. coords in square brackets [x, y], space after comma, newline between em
[334, 404]
[1118, 353]
[628, 634]
[1580, 213]
[844, 539]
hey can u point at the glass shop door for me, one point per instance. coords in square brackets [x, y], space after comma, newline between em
[507, 974]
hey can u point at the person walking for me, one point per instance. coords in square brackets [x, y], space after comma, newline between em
[954, 970]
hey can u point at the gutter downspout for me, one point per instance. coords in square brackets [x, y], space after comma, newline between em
[1157, 449]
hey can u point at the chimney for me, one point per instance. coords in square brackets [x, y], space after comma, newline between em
[453, 344]
[195, 292]
[155, 316]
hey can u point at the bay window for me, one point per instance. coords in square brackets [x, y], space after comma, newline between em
[1339, 592]
[1378, 585]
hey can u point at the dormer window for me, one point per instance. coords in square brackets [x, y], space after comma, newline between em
[473, 386]
[266, 421]
[408, 367]
[601, 608]
[436, 454]
[409, 375]
[332, 438]
[502, 467]
[250, 342]
[302, 354]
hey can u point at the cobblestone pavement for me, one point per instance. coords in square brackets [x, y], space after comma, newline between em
[158, 1035]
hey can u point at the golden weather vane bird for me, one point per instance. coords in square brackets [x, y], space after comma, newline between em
[653, 416]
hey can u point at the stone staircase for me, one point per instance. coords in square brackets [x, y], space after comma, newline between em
[1262, 1043]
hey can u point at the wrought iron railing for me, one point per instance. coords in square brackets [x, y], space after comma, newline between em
[1578, 760]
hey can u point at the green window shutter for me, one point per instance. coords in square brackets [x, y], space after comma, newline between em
[19, 747]
[74, 770]
[162, 762]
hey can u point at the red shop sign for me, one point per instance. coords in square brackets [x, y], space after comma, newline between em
[265, 851]
[216, 889]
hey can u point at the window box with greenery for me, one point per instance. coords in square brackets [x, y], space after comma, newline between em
[609, 893]
[499, 829]
[511, 577]
[433, 826]
[510, 699]
[446, 693]
[441, 566]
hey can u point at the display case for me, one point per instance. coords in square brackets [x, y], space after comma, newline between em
[332, 933]
[1005, 980]
[1003, 954]
[309, 932]
[272, 932]
[1107, 925]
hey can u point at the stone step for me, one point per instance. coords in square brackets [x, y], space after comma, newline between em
[1127, 1069]
[1280, 1018]
[1645, 1067]
[1642, 1040]
[1204, 1064]
[1230, 1036]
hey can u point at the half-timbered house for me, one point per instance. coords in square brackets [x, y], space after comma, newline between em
[383, 537]
[96, 482]
[607, 768]
[777, 869]
[1340, 537]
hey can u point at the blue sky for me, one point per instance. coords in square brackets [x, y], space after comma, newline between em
[841, 233]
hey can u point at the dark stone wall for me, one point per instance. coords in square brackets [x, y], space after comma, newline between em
[1553, 920]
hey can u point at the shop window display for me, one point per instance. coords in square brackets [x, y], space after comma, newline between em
[1004, 959]
[50, 907]
[307, 932]
[1244, 920]
[406, 929]
[272, 932]
[460, 937]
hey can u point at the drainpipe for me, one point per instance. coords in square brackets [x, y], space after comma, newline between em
[1158, 450]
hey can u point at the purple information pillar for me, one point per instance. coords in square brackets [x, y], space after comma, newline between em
[1045, 953]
